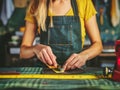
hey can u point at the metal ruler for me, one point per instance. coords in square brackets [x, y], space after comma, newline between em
[53, 76]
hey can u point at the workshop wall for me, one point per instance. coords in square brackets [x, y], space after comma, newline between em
[108, 18]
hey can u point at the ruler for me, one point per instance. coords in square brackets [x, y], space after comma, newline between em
[53, 76]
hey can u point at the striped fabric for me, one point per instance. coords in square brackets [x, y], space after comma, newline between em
[46, 84]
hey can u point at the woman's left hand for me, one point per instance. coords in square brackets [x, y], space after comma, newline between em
[75, 61]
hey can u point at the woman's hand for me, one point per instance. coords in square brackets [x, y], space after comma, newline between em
[75, 61]
[45, 54]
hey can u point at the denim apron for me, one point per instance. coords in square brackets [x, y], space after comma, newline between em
[65, 37]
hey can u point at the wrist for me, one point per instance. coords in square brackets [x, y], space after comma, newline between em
[34, 50]
[85, 56]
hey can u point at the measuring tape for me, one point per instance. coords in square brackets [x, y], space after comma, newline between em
[51, 76]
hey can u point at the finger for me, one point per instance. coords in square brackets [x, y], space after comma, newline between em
[76, 65]
[46, 57]
[79, 64]
[66, 67]
[70, 65]
[52, 57]
[75, 62]
[41, 57]
[54, 62]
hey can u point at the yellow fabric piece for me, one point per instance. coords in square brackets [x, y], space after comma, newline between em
[86, 10]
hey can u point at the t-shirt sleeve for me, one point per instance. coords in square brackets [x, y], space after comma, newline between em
[89, 10]
[29, 18]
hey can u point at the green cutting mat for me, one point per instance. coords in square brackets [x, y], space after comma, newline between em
[46, 84]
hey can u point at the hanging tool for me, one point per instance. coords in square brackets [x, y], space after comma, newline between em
[115, 13]
[101, 15]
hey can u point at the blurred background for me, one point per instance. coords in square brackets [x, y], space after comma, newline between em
[12, 27]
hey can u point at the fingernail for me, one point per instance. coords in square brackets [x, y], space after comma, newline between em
[55, 65]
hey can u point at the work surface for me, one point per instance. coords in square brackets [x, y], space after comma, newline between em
[46, 84]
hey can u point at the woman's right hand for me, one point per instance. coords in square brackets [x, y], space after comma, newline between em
[45, 54]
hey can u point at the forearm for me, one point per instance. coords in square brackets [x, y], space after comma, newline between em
[79, 59]
[26, 49]
[94, 50]
[27, 52]
[94, 36]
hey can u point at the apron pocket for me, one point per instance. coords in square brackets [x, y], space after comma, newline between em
[60, 35]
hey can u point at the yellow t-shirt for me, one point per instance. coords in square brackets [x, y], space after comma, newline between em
[85, 9]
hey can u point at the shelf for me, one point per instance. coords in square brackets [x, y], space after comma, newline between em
[107, 55]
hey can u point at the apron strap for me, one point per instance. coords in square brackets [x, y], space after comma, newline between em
[75, 7]
[48, 1]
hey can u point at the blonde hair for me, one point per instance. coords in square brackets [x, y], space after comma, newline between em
[38, 8]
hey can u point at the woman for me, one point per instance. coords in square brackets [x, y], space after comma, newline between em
[62, 26]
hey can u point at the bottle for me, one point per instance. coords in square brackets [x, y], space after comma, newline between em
[117, 52]
[116, 70]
